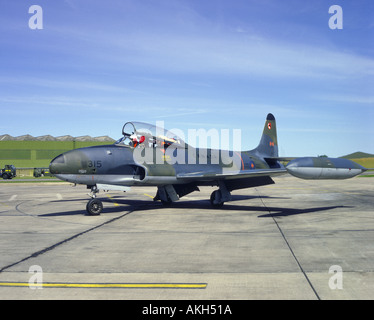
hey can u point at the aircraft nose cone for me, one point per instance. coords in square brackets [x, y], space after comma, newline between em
[57, 164]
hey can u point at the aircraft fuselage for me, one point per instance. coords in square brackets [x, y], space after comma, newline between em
[112, 164]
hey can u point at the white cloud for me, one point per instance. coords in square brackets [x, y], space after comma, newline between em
[230, 53]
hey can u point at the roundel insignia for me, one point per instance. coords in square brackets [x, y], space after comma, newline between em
[269, 125]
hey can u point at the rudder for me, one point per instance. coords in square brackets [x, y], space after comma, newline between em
[268, 146]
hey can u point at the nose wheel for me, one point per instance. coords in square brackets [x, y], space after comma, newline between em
[94, 207]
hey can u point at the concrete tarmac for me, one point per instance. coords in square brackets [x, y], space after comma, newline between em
[272, 242]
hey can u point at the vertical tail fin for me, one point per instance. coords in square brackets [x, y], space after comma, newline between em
[268, 146]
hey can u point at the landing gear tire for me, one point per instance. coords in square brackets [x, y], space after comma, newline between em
[213, 199]
[94, 207]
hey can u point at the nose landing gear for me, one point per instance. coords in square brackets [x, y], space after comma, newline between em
[95, 206]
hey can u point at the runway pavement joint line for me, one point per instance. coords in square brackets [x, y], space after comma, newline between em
[289, 247]
[40, 252]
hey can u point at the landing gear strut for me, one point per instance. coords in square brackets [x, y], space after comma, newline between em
[93, 192]
[94, 206]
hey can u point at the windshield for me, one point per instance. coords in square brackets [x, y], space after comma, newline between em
[140, 133]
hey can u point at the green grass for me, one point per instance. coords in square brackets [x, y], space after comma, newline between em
[365, 162]
[30, 154]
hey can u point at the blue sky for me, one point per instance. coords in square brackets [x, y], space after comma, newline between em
[194, 64]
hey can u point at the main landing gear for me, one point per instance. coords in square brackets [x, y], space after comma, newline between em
[220, 196]
[215, 199]
[95, 206]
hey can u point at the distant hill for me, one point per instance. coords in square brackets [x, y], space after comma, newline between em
[362, 158]
[27, 137]
[358, 155]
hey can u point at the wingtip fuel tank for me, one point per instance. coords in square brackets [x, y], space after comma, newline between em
[324, 168]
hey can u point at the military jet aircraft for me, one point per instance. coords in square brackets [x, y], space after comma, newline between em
[147, 156]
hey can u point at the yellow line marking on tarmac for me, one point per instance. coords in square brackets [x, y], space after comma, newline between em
[108, 285]
[148, 195]
[111, 199]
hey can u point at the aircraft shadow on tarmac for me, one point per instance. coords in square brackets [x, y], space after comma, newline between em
[144, 205]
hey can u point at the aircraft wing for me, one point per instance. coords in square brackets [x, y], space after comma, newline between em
[211, 176]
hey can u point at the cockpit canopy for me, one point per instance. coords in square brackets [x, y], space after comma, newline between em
[144, 134]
